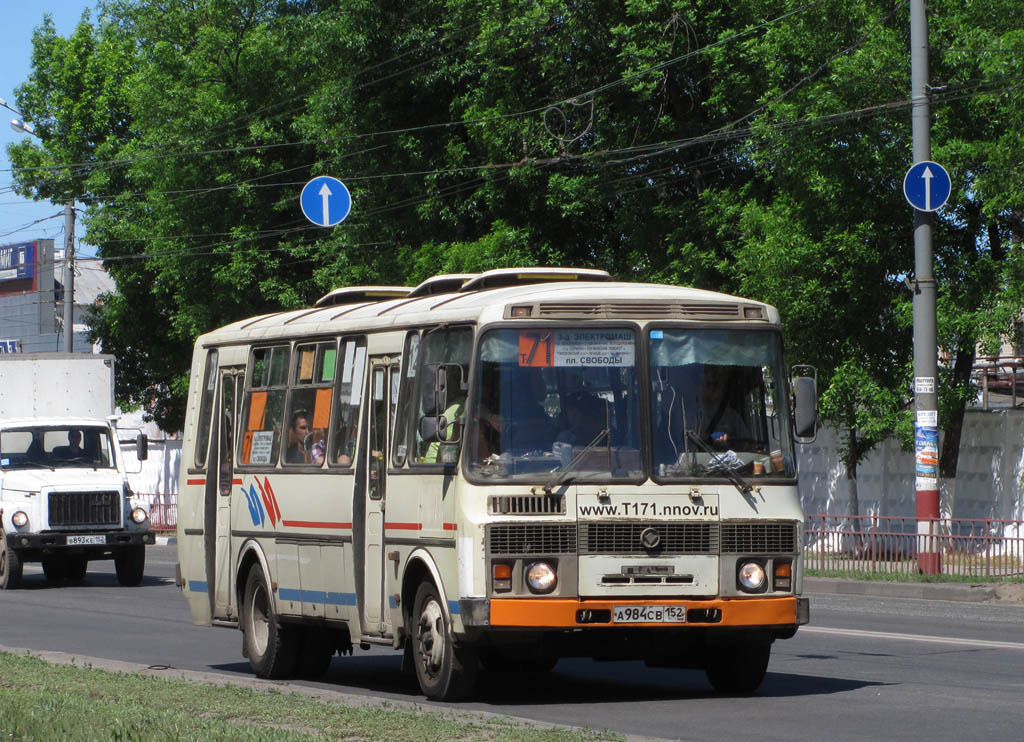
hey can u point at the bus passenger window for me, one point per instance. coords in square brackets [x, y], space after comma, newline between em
[309, 405]
[346, 409]
[264, 406]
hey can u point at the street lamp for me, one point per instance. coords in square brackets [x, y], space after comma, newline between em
[23, 127]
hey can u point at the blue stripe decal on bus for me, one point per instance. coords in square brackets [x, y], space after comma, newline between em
[316, 596]
[454, 608]
[198, 586]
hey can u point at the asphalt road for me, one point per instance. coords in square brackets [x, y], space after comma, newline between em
[867, 668]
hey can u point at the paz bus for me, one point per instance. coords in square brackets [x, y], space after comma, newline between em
[498, 470]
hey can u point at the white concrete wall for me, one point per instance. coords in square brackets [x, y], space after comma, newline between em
[988, 484]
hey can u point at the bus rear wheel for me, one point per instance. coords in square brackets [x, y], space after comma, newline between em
[738, 668]
[272, 648]
[445, 670]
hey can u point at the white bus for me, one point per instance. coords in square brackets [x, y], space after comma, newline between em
[498, 470]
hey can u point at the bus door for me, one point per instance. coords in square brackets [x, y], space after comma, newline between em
[376, 456]
[221, 592]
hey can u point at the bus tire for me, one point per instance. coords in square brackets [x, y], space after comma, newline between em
[738, 668]
[10, 566]
[445, 670]
[76, 567]
[55, 569]
[130, 564]
[270, 646]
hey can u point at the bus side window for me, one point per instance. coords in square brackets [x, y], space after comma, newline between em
[309, 404]
[348, 395]
[450, 348]
[410, 360]
[206, 410]
[266, 387]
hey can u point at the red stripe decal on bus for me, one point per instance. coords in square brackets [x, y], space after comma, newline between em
[314, 524]
[404, 526]
[237, 481]
[195, 481]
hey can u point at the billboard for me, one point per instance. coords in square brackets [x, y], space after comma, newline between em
[17, 261]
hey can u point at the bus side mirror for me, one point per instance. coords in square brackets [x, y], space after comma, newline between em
[142, 447]
[805, 394]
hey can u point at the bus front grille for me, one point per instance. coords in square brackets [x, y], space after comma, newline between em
[759, 538]
[645, 538]
[85, 509]
[531, 538]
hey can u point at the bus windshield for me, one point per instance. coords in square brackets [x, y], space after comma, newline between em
[556, 404]
[718, 403]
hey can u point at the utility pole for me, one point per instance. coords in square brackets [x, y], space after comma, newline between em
[926, 419]
[69, 276]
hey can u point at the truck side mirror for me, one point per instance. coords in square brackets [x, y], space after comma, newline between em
[142, 447]
[805, 395]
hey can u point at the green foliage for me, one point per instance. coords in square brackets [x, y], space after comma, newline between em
[751, 147]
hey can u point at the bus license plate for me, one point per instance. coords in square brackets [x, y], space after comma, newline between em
[648, 614]
[86, 540]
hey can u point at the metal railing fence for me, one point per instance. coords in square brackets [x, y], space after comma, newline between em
[969, 547]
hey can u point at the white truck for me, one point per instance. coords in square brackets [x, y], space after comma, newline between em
[64, 494]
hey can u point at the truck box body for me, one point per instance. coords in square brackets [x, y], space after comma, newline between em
[56, 385]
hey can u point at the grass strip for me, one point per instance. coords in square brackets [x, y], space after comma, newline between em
[43, 701]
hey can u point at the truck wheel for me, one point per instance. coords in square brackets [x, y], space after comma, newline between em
[76, 567]
[129, 563]
[10, 566]
[739, 668]
[272, 649]
[54, 569]
[445, 670]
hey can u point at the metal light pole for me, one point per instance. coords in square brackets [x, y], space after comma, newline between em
[926, 423]
[22, 127]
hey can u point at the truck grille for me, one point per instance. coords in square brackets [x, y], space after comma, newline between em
[85, 509]
[759, 538]
[628, 538]
[532, 538]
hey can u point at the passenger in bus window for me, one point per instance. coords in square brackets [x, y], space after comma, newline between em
[297, 432]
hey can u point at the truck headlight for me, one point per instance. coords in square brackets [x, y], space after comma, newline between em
[541, 577]
[139, 515]
[20, 519]
[751, 576]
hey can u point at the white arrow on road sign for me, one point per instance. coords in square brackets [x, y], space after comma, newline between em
[325, 201]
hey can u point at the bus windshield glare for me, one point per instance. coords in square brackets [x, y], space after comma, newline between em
[563, 404]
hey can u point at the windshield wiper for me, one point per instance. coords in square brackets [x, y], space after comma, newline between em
[40, 464]
[561, 475]
[737, 481]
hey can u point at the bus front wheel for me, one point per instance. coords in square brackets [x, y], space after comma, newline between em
[271, 647]
[738, 668]
[445, 670]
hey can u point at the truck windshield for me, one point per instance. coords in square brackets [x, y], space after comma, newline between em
[718, 404]
[55, 446]
[556, 405]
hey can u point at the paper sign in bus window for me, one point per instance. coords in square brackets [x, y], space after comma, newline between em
[322, 409]
[577, 348]
[262, 447]
[257, 409]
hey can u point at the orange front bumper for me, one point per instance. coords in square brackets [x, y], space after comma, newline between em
[561, 613]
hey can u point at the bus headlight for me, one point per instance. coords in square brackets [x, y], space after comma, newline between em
[541, 577]
[20, 519]
[751, 576]
[139, 515]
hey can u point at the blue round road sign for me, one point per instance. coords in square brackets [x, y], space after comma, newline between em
[325, 201]
[926, 186]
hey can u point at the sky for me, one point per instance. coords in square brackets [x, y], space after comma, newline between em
[18, 214]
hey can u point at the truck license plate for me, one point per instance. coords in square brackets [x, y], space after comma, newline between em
[648, 614]
[86, 540]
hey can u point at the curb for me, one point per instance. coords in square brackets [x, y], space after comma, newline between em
[166, 540]
[959, 592]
